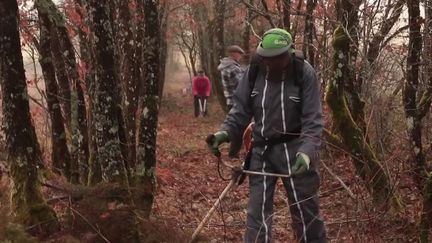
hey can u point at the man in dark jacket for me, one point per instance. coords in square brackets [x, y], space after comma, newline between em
[286, 137]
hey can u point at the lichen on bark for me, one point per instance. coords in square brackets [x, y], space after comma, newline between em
[364, 158]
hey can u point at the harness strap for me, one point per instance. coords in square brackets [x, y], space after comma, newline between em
[285, 138]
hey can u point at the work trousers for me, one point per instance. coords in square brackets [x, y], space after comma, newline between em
[302, 194]
[200, 105]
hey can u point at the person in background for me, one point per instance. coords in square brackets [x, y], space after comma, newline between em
[201, 88]
[231, 72]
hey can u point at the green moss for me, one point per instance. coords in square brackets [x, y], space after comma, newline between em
[15, 233]
[27, 203]
[340, 39]
[48, 7]
[364, 158]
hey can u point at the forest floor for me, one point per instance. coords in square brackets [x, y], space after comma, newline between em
[189, 184]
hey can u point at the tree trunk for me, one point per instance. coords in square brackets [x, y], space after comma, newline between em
[296, 21]
[424, 106]
[146, 153]
[426, 214]
[247, 31]
[78, 122]
[95, 170]
[60, 155]
[79, 148]
[24, 155]
[126, 52]
[347, 13]
[105, 114]
[286, 14]
[375, 45]
[364, 158]
[411, 88]
[164, 14]
[63, 83]
[218, 47]
[308, 47]
[199, 15]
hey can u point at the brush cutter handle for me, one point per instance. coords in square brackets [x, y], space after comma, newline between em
[211, 211]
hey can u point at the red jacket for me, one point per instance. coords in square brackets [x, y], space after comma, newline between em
[201, 86]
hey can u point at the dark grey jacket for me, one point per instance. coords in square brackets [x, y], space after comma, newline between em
[277, 108]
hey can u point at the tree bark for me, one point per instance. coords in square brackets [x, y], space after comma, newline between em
[24, 155]
[375, 45]
[63, 83]
[296, 21]
[426, 214]
[411, 90]
[365, 161]
[105, 114]
[286, 14]
[199, 14]
[126, 44]
[217, 44]
[247, 31]
[163, 21]
[60, 155]
[347, 13]
[423, 108]
[78, 122]
[308, 47]
[146, 153]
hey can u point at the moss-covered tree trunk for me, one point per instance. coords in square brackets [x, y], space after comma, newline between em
[365, 161]
[60, 155]
[78, 120]
[24, 155]
[347, 14]
[79, 136]
[105, 107]
[146, 153]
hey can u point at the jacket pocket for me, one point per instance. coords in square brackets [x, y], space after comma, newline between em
[255, 99]
[295, 99]
[293, 102]
[254, 94]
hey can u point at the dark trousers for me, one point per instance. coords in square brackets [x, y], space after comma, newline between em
[200, 105]
[302, 194]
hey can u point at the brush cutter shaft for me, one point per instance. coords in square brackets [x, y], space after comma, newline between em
[254, 172]
[211, 211]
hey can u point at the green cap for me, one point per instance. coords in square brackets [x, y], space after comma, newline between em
[275, 42]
